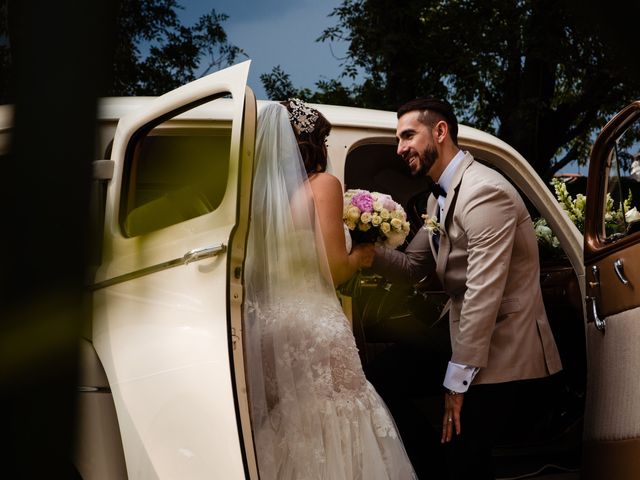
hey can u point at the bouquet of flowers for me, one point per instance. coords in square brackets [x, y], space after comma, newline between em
[374, 217]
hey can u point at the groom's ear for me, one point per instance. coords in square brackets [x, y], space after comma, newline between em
[440, 131]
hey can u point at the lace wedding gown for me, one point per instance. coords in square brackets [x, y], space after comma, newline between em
[314, 414]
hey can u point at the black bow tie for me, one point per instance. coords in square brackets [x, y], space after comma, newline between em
[438, 191]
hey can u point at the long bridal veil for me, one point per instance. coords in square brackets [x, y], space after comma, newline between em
[283, 249]
[314, 415]
[282, 267]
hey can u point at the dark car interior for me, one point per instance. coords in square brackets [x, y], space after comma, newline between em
[402, 333]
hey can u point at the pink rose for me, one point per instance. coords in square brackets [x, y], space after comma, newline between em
[363, 201]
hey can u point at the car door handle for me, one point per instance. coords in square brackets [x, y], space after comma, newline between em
[205, 252]
[600, 323]
[618, 268]
[191, 256]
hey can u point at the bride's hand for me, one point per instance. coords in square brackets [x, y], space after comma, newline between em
[364, 254]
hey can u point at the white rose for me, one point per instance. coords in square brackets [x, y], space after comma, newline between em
[632, 215]
[544, 232]
[396, 224]
[353, 213]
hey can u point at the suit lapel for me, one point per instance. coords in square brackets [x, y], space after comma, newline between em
[445, 221]
[432, 211]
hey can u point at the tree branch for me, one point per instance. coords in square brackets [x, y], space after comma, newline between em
[568, 158]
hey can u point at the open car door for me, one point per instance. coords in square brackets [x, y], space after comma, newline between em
[167, 296]
[612, 261]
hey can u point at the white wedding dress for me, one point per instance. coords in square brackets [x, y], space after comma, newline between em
[314, 414]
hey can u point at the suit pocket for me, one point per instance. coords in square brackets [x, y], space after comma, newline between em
[510, 305]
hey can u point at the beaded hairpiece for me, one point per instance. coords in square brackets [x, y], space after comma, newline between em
[302, 117]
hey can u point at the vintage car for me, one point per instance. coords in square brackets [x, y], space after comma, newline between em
[163, 392]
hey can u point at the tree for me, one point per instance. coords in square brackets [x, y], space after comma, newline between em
[278, 85]
[175, 51]
[154, 52]
[540, 74]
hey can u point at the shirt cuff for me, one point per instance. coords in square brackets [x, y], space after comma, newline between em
[459, 377]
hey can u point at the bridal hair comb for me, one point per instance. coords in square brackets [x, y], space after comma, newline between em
[302, 117]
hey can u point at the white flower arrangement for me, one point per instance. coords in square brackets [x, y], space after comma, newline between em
[616, 219]
[374, 217]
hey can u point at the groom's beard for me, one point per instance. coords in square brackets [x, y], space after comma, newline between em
[427, 158]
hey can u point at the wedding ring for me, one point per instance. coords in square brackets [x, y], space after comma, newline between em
[449, 419]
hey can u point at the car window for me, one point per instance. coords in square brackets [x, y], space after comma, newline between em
[174, 172]
[621, 216]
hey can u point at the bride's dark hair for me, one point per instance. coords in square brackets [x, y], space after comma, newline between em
[312, 144]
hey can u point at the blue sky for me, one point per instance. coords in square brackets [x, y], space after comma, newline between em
[277, 32]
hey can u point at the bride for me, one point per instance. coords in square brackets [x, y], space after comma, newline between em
[314, 414]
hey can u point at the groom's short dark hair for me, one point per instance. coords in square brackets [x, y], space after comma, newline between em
[432, 110]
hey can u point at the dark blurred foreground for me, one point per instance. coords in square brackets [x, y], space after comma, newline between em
[60, 53]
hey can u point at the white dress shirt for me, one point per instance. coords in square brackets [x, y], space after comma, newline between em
[458, 377]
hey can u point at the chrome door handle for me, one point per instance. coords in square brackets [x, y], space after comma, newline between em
[191, 256]
[205, 252]
[618, 268]
[600, 323]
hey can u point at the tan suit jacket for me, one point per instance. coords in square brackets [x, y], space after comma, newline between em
[488, 264]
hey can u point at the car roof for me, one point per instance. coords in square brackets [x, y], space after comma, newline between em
[111, 109]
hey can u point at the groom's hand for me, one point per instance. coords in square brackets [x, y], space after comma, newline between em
[364, 253]
[451, 418]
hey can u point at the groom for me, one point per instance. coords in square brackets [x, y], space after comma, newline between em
[481, 245]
